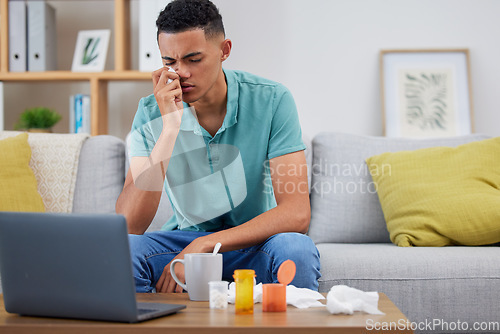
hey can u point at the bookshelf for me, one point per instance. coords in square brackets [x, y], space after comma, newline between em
[98, 81]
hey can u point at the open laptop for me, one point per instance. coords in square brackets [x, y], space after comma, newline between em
[70, 266]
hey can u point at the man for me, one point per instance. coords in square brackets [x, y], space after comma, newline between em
[227, 147]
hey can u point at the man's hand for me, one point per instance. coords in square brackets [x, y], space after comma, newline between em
[168, 96]
[166, 283]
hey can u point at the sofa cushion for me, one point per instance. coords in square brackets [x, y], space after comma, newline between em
[100, 175]
[344, 202]
[424, 282]
[441, 196]
[18, 186]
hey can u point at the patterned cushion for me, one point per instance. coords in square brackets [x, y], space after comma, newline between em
[54, 161]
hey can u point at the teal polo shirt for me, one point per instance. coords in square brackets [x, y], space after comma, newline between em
[223, 181]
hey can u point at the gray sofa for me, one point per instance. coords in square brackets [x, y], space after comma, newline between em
[347, 224]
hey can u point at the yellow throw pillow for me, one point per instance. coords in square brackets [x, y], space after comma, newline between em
[441, 196]
[18, 188]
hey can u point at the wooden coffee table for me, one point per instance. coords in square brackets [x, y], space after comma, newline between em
[199, 318]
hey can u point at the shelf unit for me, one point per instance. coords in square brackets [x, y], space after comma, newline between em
[98, 81]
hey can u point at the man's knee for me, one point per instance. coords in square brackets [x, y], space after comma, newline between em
[136, 243]
[296, 247]
[293, 243]
[300, 249]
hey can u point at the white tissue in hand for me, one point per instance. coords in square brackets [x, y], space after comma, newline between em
[170, 69]
[346, 300]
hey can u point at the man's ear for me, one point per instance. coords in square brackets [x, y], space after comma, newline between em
[226, 49]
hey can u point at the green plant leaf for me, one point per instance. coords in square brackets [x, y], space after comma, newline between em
[38, 117]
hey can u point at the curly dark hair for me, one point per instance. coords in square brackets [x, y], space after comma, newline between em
[183, 15]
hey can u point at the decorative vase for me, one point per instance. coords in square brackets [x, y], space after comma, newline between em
[38, 130]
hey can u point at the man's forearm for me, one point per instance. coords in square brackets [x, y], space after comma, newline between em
[141, 193]
[138, 206]
[290, 217]
[149, 174]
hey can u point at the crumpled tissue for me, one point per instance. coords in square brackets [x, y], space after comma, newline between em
[345, 300]
[298, 297]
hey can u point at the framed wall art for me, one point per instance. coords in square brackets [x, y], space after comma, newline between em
[90, 51]
[426, 93]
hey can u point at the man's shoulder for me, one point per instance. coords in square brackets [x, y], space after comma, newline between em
[149, 101]
[149, 106]
[246, 78]
[147, 111]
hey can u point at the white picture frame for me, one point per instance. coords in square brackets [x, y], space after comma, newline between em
[90, 51]
[426, 93]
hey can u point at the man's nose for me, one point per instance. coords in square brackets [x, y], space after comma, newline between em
[182, 71]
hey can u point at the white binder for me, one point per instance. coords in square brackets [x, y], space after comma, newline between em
[149, 54]
[86, 114]
[17, 36]
[42, 46]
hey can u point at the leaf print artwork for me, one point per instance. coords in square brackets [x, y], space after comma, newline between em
[426, 100]
[89, 53]
[426, 93]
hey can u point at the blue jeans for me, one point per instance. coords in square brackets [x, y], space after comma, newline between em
[152, 251]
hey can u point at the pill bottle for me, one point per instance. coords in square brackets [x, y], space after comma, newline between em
[244, 279]
[218, 294]
[274, 297]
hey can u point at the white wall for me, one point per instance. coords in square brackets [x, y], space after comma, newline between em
[325, 52]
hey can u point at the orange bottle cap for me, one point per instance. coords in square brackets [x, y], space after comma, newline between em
[286, 272]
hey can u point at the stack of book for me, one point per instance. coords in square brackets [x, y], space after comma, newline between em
[79, 113]
[32, 36]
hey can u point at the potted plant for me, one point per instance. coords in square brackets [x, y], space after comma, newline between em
[38, 119]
